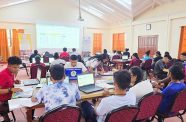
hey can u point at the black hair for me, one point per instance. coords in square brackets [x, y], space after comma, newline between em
[167, 53]
[147, 53]
[37, 59]
[119, 52]
[99, 57]
[57, 71]
[73, 49]
[158, 52]
[136, 71]
[105, 51]
[64, 49]
[35, 52]
[127, 49]
[183, 53]
[168, 56]
[135, 55]
[56, 55]
[122, 78]
[14, 60]
[73, 57]
[176, 72]
[114, 51]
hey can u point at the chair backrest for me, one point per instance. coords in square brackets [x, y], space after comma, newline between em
[66, 58]
[148, 106]
[116, 57]
[147, 64]
[136, 63]
[62, 113]
[122, 114]
[179, 102]
[33, 71]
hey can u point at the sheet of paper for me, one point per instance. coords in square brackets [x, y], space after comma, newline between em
[20, 103]
[105, 85]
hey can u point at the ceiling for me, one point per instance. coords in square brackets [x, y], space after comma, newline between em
[111, 11]
[115, 11]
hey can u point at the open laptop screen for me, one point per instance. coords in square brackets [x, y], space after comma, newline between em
[73, 72]
[124, 57]
[86, 79]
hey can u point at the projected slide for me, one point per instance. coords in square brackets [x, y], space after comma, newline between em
[50, 36]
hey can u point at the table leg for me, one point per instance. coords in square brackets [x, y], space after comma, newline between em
[29, 115]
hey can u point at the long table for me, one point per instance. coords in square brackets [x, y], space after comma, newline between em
[31, 107]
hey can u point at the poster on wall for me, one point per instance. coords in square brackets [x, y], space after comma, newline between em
[86, 44]
[25, 41]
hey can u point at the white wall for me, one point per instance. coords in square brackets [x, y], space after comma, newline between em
[166, 21]
[56, 12]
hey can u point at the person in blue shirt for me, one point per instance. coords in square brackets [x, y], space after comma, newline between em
[176, 85]
[58, 93]
[146, 56]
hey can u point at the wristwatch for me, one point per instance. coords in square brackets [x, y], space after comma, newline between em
[9, 90]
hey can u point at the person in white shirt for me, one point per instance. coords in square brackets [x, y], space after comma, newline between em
[98, 62]
[74, 52]
[58, 60]
[75, 64]
[139, 87]
[121, 98]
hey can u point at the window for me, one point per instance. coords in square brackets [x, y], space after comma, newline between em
[182, 47]
[97, 43]
[118, 42]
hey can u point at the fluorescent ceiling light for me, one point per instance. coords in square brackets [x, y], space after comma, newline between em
[93, 11]
[14, 3]
[126, 3]
[105, 6]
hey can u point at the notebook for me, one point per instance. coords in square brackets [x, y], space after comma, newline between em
[86, 83]
[72, 73]
[33, 81]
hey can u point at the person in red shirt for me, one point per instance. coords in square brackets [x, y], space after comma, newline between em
[7, 81]
[135, 60]
[64, 54]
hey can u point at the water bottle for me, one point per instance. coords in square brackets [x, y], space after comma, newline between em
[47, 77]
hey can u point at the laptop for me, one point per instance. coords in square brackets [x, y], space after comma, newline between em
[125, 57]
[51, 60]
[33, 81]
[72, 73]
[86, 83]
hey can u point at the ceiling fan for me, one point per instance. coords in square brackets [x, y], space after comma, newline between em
[80, 17]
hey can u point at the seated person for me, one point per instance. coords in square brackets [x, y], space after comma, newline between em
[47, 54]
[159, 68]
[7, 80]
[158, 57]
[135, 60]
[137, 84]
[176, 74]
[37, 62]
[146, 56]
[64, 53]
[75, 64]
[58, 93]
[58, 60]
[98, 63]
[121, 98]
[34, 55]
[127, 52]
[74, 52]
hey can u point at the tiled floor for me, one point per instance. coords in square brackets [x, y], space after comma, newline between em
[20, 113]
